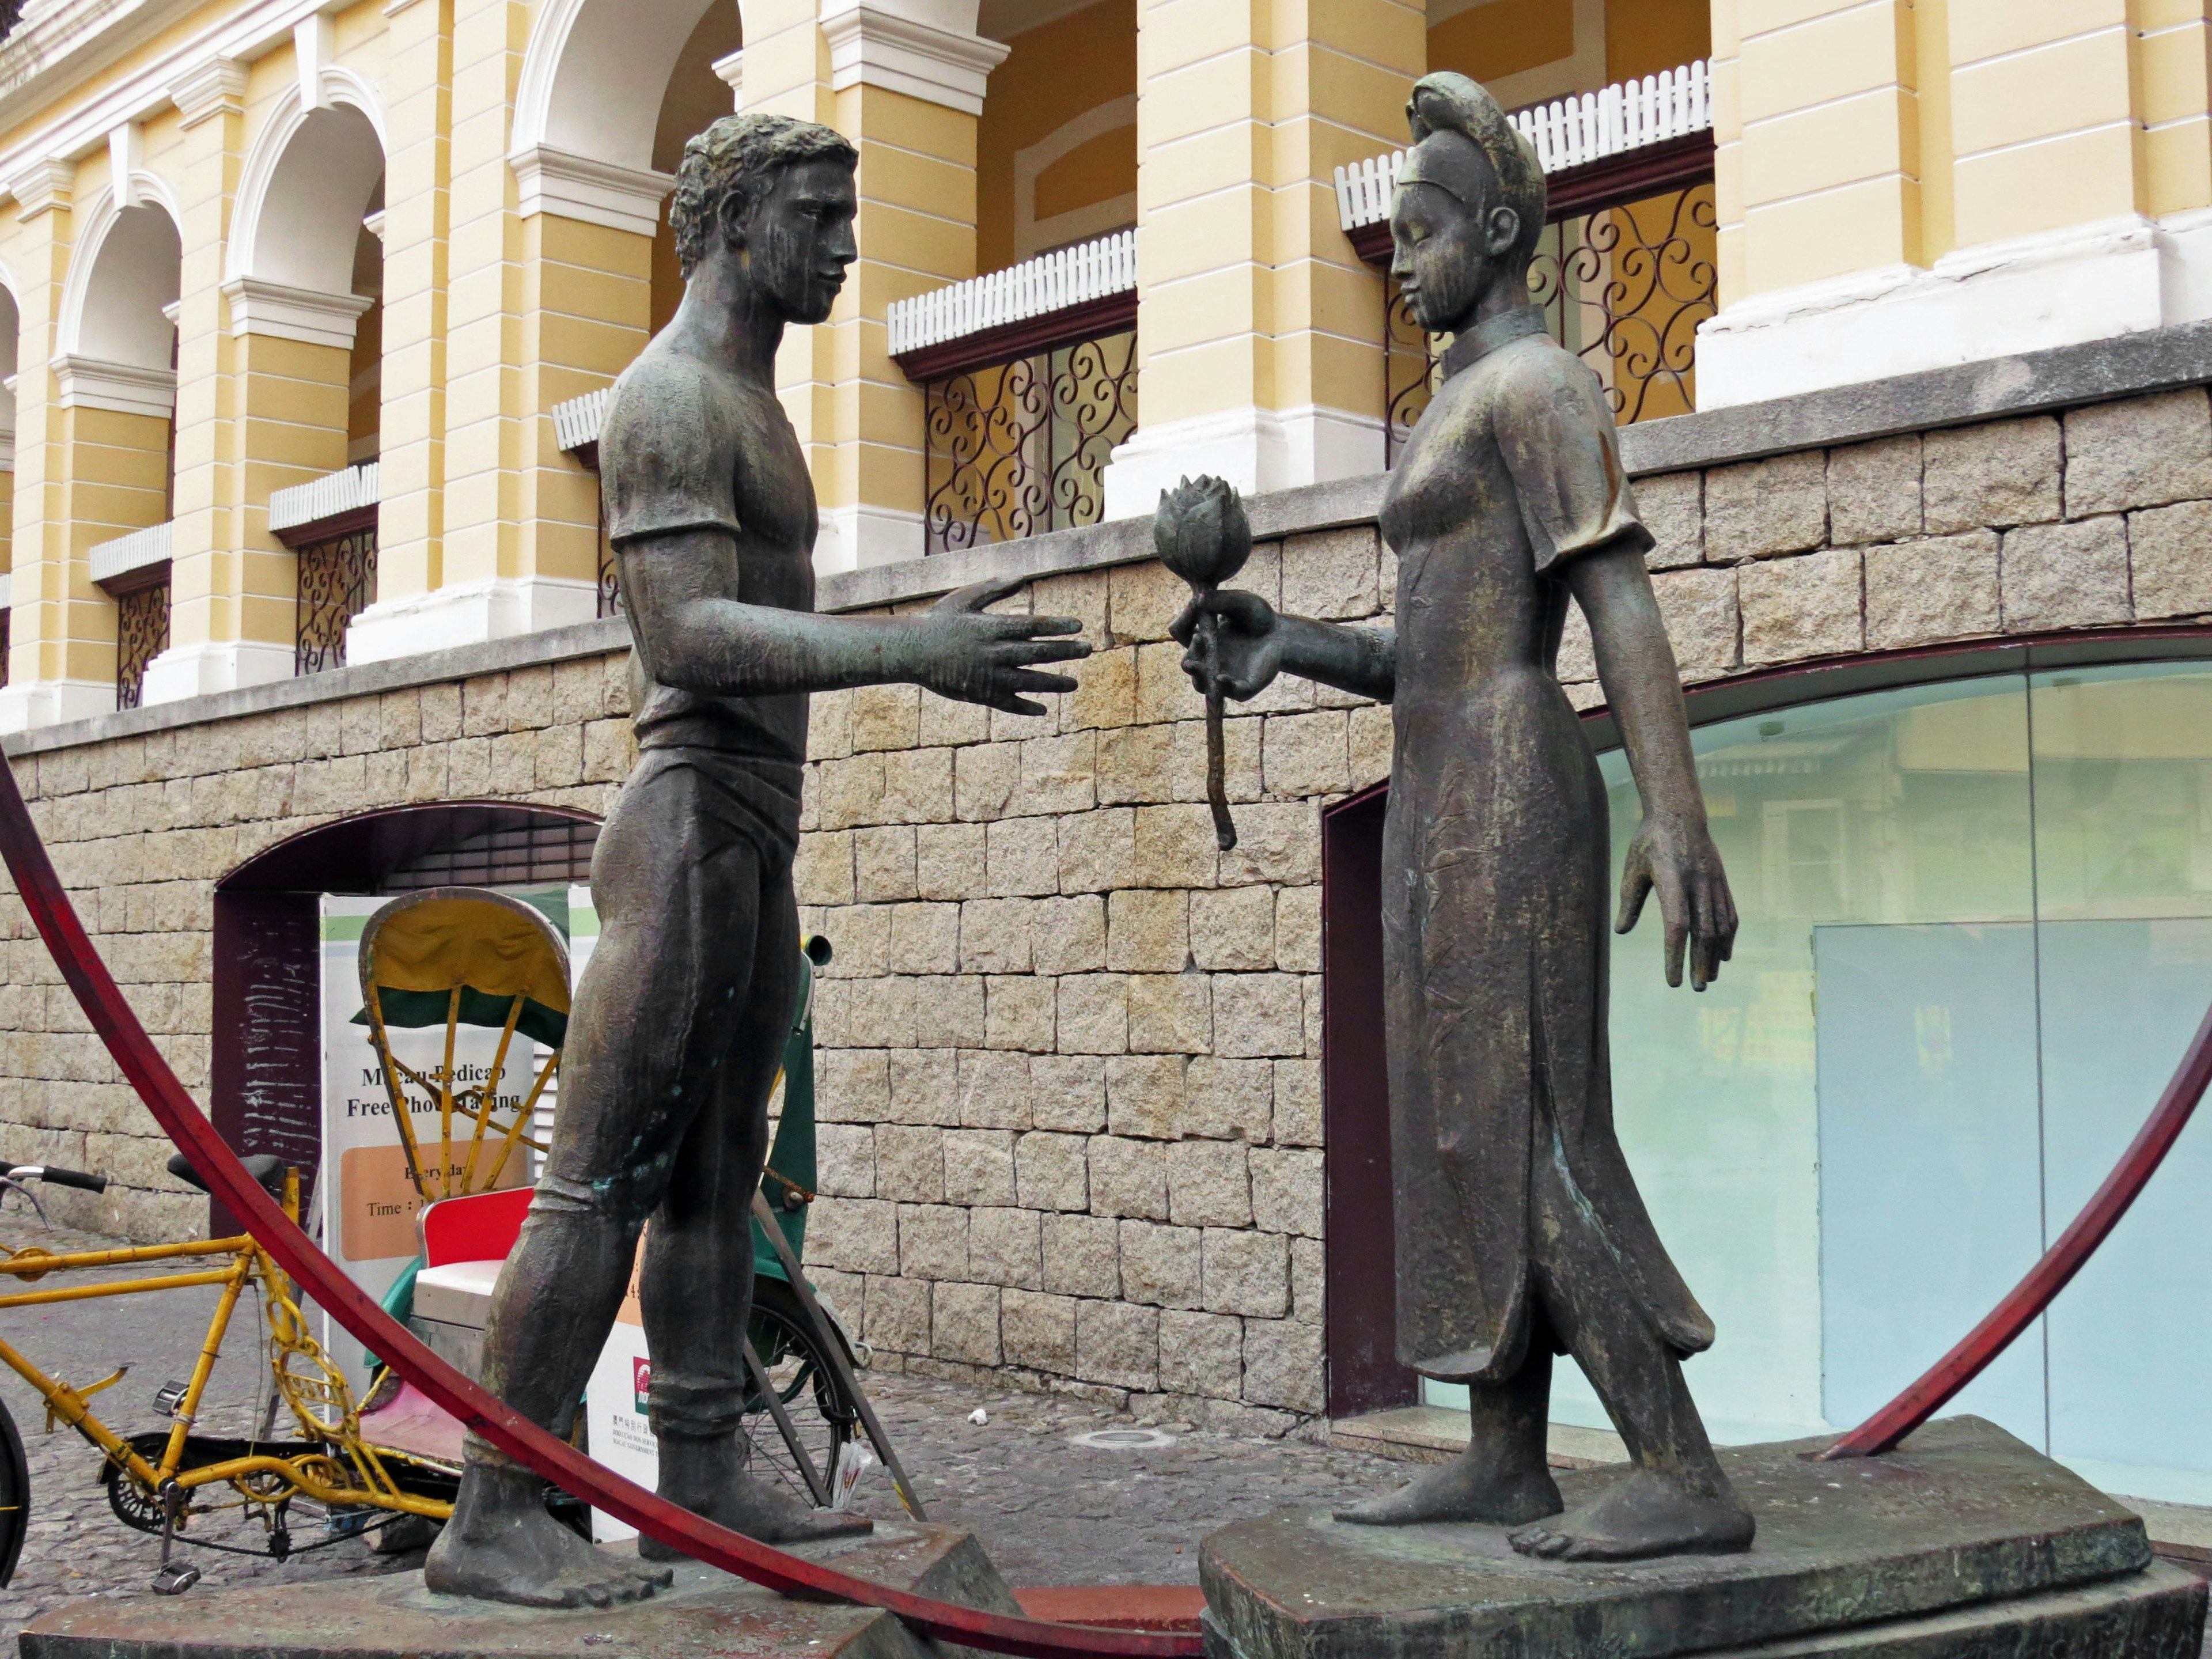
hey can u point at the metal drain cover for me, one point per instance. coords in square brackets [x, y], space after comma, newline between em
[1124, 1439]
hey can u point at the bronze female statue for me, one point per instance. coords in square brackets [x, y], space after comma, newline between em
[1520, 1231]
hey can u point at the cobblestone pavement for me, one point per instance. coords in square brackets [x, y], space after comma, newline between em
[1049, 1511]
[1053, 1512]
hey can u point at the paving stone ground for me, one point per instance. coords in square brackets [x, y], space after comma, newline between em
[1050, 1511]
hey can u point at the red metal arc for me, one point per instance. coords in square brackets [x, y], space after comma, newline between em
[174, 1109]
[2048, 1277]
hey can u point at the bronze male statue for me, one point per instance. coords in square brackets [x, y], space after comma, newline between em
[1520, 1231]
[679, 1022]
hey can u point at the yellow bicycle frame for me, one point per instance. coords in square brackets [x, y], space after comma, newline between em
[344, 1470]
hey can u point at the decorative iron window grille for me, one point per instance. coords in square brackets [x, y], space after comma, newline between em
[142, 633]
[1014, 448]
[611, 603]
[1626, 272]
[1029, 378]
[337, 583]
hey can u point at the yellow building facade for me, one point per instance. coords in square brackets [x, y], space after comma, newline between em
[247, 248]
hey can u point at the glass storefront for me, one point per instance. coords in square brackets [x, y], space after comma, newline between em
[1977, 937]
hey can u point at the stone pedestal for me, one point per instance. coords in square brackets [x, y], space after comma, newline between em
[706, 1614]
[1963, 1544]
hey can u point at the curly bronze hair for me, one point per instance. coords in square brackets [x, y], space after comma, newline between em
[740, 156]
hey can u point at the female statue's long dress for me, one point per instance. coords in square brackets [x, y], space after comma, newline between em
[1495, 857]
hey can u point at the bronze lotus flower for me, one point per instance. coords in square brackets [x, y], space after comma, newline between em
[1201, 534]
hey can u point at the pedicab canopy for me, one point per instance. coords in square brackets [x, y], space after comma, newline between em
[452, 956]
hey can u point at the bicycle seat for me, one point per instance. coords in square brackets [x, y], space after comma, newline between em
[266, 1168]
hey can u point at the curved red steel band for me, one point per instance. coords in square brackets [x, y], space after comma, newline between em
[181, 1119]
[2049, 1276]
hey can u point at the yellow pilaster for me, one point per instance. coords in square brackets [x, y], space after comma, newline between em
[1817, 173]
[483, 379]
[857, 417]
[916, 232]
[587, 298]
[2044, 129]
[411, 522]
[1259, 331]
[62, 632]
[2173, 77]
[204, 565]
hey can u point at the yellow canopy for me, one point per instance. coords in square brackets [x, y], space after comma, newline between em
[416, 950]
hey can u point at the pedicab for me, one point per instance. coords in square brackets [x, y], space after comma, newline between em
[389, 1462]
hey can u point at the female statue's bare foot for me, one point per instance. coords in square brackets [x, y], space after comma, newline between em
[710, 1479]
[1503, 1490]
[1644, 1515]
[501, 1546]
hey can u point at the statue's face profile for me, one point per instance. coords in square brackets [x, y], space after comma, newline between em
[798, 238]
[1445, 255]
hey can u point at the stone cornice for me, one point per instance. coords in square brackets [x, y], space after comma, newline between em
[258, 306]
[63, 46]
[43, 185]
[95, 383]
[927, 49]
[597, 192]
[216, 87]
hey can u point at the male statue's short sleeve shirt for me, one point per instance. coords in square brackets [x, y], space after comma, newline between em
[669, 464]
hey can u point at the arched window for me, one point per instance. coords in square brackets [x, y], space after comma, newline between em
[116, 375]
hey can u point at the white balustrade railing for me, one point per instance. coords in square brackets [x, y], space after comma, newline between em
[347, 490]
[132, 552]
[577, 421]
[1568, 132]
[1051, 282]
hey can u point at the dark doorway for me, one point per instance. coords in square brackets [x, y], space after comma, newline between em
[1364, 1373]
[266, 1067]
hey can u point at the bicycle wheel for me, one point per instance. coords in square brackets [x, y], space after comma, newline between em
[15, 1495]
[824, 1415]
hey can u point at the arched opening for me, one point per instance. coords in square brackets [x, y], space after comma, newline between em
[265, 1067]
[117, 381]
[1976, 892]
[312, 236]
[133, 283]
[306, 294]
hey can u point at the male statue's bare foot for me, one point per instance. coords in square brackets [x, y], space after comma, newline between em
[709, 1478]
[1645, 1514]
[501, 1546]
[1479, 1485]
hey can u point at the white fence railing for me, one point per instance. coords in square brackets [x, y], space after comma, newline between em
[1567, 132]
[345, 491]
[1051, 282]
[132, 552]
[577, 421]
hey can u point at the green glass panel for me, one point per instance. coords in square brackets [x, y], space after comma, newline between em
[2123, 792]
[1901, 809]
